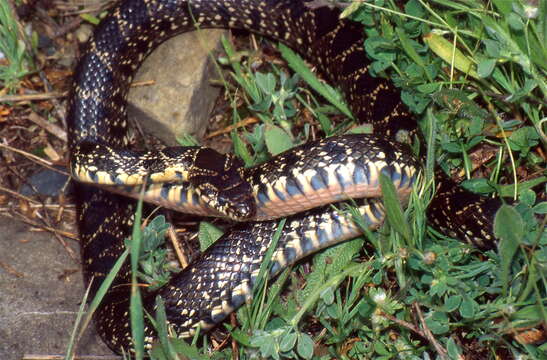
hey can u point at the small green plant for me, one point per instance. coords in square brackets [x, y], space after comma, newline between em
[15, 58]
[155, 269]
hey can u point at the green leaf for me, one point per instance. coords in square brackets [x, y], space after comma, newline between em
[362, 129]
[509, 228]
[277, 139]
[351, 8]
[266, 343]
[305, 346]
[428, 88]
[492, 48]
[527, 197]
[161, 327]
[515, 22]
[450, 54]
[103, 290]
[189, 351]
[523, 139]
[381, 49]
[329, 262]
[241, 149]
[468, 308]
[406, 43]
[458, 102]
[266, 82]
[453, 349]
[90, 19]
[208, 234]
[288, 340]
[452, 303]
[240, 336]
[438, 288]
[394, 211]
[509, 190]
[187, 140]
[328, 296]
[485, 67]
[416, 101]
[479, 185]
[334, 311]
[436, 326]
[503, 6]
[540, 208]
[234, 59]
[325, 122]
[153, 235]
[377, 278]
[381, 348]
[509, 45]
[414, 8]
[528, 315]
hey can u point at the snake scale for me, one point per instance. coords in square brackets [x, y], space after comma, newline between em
[221, 279]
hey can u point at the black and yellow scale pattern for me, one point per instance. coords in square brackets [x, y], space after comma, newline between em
[221, 279]
[311, 175]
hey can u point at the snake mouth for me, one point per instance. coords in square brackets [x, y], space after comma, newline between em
[243, 212]
[236, 201]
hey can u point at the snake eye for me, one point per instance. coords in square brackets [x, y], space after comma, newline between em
[241, 211]
[221, 182]
[238, 202]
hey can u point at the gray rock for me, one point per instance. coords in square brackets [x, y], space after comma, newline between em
[181, 98]
[47, 183]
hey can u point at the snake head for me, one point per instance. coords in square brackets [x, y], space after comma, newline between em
[219, 180]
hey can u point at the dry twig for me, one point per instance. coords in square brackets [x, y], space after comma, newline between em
[62, 357]
[227, 129]
[428, 335]
[404, 324]
[183, 259]
[33, 97]
[50, 127]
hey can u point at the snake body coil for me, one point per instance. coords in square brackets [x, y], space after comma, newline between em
[221, 279]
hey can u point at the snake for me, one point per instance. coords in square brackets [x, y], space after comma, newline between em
[300, 183]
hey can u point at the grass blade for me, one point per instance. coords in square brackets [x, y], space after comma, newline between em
[298, 65]
[394, 211]
[509, 228]
[135, 307]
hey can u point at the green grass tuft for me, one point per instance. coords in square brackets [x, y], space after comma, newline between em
[14, 49]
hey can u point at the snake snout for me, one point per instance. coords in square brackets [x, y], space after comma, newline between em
[243, 211]
[238, 201]
[221, 183]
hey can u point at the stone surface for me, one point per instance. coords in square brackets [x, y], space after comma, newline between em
[181, 97]
[40, 292]
[46, 182]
